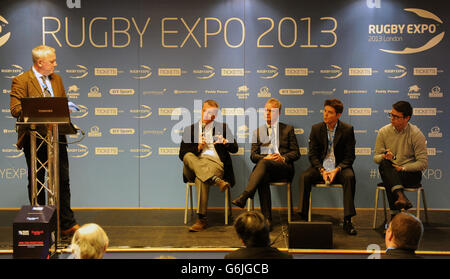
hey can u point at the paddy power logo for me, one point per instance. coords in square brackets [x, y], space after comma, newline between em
[4, 38]
[410, 29]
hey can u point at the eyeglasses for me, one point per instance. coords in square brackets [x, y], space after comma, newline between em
[393, 116]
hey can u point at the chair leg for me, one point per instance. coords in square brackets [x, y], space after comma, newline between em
[289, 203]
[309, 211]
[375, 209]
[188, 188]
[191, 200]
[418, 204]
[199, 189]
[227, 193]
[425, 207]
[385, 207]
[230, 207]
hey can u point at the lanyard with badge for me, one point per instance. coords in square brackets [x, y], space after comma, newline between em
[330, 160]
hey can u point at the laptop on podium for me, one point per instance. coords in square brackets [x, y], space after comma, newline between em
[43, 110]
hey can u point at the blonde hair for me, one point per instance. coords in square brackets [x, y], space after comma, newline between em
[211, 103]
[41, 52]
[274, 102]
[89, 242]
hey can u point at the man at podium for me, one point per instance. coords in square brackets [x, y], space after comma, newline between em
[41, 81]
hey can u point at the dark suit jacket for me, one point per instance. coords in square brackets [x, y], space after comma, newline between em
[344, 145]
[258, 253]
[288, 146]
[400, 254]
[189, 143]
[27, 85]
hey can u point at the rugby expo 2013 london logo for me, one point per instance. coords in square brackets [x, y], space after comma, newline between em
[3, 38]
[406, 34]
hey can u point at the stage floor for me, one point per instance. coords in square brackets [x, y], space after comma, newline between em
[164, 228]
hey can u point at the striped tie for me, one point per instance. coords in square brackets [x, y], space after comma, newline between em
[44, 85]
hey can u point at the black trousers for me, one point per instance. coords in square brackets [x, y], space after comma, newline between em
[312, 176]
[263, 173]
[394, 180]
[67, 219]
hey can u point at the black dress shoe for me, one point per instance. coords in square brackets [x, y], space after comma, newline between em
[402, 201]
[403, 204]
[241, 201]
[349, 228]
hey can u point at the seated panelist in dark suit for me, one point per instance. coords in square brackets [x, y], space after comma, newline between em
[205, 151]
[274, 151]
[41, 81]
[331, 154]
[254, 232]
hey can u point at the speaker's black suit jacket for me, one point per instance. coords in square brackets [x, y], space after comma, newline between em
[288, 146]
[189, 143]
[343, 143]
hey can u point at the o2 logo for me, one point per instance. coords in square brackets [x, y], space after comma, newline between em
[73, 4]
[4, 38]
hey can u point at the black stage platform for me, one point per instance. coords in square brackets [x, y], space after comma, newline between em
[153, 232]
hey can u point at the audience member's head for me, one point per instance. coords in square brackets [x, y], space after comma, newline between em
[253, 229]
[89, 242]
[404, 232]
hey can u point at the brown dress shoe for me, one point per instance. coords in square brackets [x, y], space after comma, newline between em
[223, 185]
[199, 226]
[70, 231]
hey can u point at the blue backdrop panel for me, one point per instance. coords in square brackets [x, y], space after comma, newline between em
[140, 72]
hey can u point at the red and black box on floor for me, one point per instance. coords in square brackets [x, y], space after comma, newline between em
[34, 232]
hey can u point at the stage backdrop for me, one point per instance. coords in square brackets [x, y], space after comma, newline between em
[140, 69]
